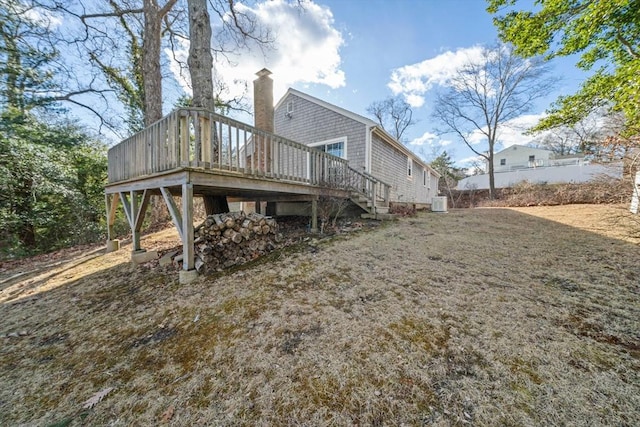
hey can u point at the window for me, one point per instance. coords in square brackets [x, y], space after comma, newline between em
[289, 111]
[409, 167]
[424, 177]
[336, 147]
[532, 158]
[327, 169]
[503, 162]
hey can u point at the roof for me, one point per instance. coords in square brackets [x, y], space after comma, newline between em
[325, 104]
[537, 149]
[525, 147]
[372, 125]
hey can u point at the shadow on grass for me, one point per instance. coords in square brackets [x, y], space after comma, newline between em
[395, 328]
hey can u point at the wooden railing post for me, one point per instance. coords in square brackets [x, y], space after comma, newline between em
[183, 125]
[192, 137]
[205, 136]
[373, 195]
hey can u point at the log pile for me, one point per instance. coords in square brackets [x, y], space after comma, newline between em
[228, 239]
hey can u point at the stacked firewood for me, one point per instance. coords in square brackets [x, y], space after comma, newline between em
[228, 239]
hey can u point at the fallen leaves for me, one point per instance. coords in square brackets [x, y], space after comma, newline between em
[168, 414]
[97, 398]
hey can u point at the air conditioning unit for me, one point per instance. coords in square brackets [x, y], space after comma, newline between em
[439, 204]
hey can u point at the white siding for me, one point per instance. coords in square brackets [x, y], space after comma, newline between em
[390, 165]
[309, 123]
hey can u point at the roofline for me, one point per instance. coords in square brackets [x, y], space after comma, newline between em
[370, 124]
[401, 147]
[334, 108]
[523, 146]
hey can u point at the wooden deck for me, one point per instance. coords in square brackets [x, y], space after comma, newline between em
[193, 152]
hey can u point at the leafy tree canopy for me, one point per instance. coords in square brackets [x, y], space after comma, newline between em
[445, 166]
[606, 34]
[52, 179]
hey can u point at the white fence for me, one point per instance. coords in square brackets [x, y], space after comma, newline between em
[635, 198]
[549, 175]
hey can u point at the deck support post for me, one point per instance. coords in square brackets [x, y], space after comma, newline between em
[135, 231]
[111, 204]
[135, 211]
[271, 209]
[173, 210]
[137, 216]
[314, 215]
[188, 262]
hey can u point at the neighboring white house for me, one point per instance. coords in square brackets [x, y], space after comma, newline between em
[523, 157]
[368, 148]
[520, 163]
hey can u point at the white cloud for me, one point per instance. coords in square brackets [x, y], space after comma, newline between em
[415, 80]
[306, 50]
[472, 164]
[432, 140]
[43, 17]
[426, 138]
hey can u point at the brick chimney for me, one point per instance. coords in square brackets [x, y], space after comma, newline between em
[263, 101]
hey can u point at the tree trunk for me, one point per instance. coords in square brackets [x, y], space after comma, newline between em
[492, 181]
[200, 63]
[200, 59]
[23, 206]
[152, 75]
[152, 81]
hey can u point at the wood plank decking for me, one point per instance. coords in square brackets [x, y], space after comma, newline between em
[193, 152]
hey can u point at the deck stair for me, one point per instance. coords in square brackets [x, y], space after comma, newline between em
[372, 197]
[195, 152]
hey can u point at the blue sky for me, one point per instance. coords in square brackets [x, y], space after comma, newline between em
[354, 52]
[347, 52]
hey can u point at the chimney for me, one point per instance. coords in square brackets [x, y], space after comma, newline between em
[263, 101]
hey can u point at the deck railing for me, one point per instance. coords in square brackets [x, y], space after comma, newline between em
[196, 138]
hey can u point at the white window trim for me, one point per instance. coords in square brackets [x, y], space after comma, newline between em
[410, 172]
[325, 142]
[290, 107]
[333, 141]
[425, 179]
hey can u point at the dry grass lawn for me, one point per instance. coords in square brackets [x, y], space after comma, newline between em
[484, 317]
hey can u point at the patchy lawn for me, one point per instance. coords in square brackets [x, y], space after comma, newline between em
[526, 316]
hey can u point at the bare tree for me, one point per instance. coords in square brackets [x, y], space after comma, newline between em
[238, 27]
[394, 115]
[154, 14]
[200, 62]
[486, 94]
[135, 74]
[200, 59]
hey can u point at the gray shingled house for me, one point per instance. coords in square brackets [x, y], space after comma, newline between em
[361, 141]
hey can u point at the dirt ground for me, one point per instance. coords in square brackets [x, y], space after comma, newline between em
[485, 317]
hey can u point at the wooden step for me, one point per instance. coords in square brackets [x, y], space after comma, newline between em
[386, 217]
[382, 209]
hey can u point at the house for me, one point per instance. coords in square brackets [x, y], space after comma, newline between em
[362, 142]
[522, 157]
[519, 163]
